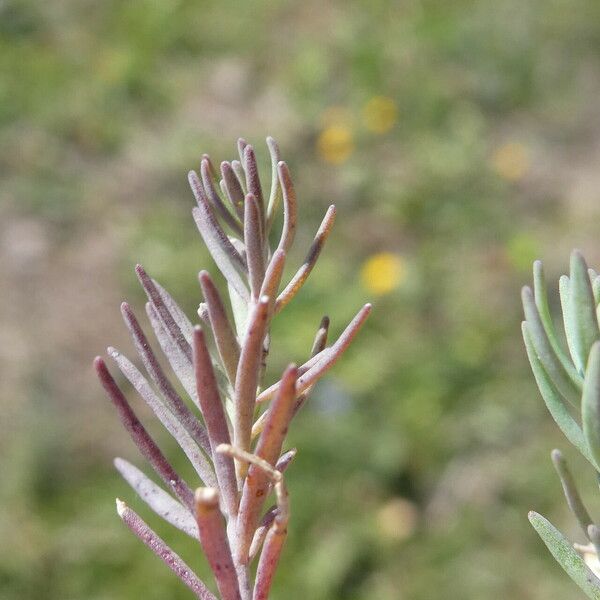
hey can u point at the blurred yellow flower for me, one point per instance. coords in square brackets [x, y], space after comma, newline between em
[397, 519]
[335, 144]
[511, 161]
[380, 114]
[383, 272]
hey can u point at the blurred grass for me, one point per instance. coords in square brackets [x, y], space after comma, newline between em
[462, 138]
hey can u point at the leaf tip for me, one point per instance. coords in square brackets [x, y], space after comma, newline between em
[556, 456]
[121, 507]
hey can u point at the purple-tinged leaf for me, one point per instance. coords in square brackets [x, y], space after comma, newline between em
[238, 169]
[290, 209]
[285, 460]
[214, 543]
[151, 539]
[247, 376]
[269, 558]
[225, 339]
[320, 340]
[272, 278]
[254, 245]
[211, 167]
[253, 179]
[277, 533]
[180, 363]
[322, 362]
[163, 312]
[241, 145]
[145, 444]
[162, 503]
[256, 484]
[276, 428]
[226, 257]
[275, 194]
[215, 199]
[297, 281]
[172, 399]
[319, 345]
[232, 188]
[195, 455]
[273, 544]
[180, 318]
[216, 422]
[261, 532]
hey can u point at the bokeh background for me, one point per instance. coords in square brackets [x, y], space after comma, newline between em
[460, 140]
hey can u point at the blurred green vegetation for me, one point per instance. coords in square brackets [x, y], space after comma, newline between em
[459, 138]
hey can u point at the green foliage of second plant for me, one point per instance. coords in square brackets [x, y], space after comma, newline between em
[570, 386]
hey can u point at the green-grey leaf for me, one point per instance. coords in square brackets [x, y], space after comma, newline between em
[545, 353]
[566, 556]
[541, 301]
[583, 310]
[571, 493]
[595, 285]
[564, 290]
[590, 403]
[554, 402]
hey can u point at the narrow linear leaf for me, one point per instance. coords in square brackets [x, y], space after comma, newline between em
[545, 353]
[275, 194]
[248, 372]
[290, 208]
[297, 281]
[163, 312]
[571, 493]
[272, 546]
[541, 301]
[320, 340]
[254, 245]
[215, 544]
[226, 257]
[232, 188]
[241, 146]
[215, 199]
[554, 402]
[566, 556]
[140, 437]
[285, 460]
[261, 532]
[216, 423]
[162, 503]
[583, 310]
[272, 278]
[268, 449]
[151, 539]
[269, 392]
[172, 399]
[195, 455]
[180, 318]
[590, 403]
[253, 180]
[225, 339]
[237, 168]
[180, 363]
[595, 285]
[564, 288]
[326, 359]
